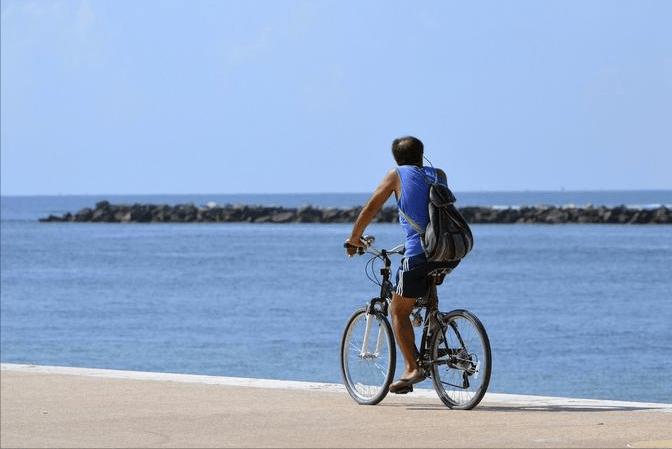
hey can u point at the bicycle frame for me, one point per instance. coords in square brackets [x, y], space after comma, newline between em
[430, 303]
[431, 324]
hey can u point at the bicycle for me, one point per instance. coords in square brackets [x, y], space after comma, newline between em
[454, 347]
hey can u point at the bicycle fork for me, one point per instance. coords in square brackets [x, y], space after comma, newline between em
[371, 322]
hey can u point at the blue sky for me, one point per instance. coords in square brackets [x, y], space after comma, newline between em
[283, 96]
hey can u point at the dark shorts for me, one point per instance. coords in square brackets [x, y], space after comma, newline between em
[412, 281]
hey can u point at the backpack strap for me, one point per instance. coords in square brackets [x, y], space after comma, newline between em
[437, 179]
[414, 224]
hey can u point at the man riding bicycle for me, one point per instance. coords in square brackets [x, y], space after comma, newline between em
[410, 183]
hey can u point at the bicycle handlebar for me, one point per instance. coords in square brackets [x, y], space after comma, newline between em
[367, 242]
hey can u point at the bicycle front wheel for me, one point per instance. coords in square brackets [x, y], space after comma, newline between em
[368, 357]
[462, 361]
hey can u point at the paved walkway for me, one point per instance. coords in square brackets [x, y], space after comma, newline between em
[72, 407]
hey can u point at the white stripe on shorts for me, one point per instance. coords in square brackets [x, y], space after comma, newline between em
[400, 284]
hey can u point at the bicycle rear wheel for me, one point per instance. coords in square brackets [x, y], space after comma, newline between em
[368, 357]
[462, 361]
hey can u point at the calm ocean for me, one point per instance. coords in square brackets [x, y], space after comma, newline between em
[571, 310]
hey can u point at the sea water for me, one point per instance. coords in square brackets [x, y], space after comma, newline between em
[571, 310]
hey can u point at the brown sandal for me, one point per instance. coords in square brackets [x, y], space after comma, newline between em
[403, 389]
[403, 386]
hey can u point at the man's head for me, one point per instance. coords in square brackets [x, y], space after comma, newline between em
[407, 151]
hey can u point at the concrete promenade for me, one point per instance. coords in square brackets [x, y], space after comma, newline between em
[76, 407]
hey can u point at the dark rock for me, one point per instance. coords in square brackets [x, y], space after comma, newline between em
[283, 217]
[51, 219]
[308, 214]
[102, 205]
[84, 215]
[330, 215]
[662, 215]
[555, 216]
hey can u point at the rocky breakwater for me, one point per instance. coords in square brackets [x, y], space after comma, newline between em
[569, 214]
[104, 212]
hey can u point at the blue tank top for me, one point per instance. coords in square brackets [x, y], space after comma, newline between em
[415, 183]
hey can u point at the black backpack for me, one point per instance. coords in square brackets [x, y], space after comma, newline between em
[447, 236]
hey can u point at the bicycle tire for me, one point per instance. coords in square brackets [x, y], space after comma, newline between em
[368, 372]
[462, 362]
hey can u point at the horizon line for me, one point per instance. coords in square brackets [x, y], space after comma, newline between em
[332, 193]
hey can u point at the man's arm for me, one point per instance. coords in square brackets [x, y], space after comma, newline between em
[387, 186]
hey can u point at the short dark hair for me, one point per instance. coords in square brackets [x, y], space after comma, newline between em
[408, 150]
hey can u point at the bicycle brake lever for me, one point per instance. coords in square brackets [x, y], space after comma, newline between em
[367, 240]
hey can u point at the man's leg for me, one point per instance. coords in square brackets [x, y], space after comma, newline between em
[400, 310]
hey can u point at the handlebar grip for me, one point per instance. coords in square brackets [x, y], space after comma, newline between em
[359, 249]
